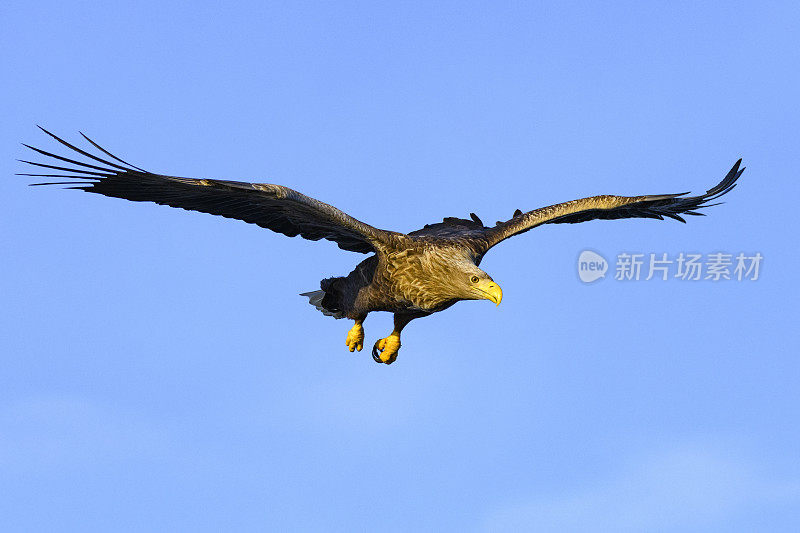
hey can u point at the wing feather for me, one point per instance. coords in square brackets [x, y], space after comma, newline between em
[270, 206]
[609, 207]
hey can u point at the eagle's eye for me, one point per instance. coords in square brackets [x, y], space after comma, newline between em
[474, 279]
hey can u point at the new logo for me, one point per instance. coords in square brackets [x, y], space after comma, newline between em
[591, 266]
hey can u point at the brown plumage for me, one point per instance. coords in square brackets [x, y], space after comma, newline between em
[411, 275]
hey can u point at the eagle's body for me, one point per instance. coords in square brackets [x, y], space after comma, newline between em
[411, 275]
[407, 276]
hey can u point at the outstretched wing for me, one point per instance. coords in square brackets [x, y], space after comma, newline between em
[274, 207]
[613, 207]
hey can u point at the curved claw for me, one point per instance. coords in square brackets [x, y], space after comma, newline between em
[376, 354]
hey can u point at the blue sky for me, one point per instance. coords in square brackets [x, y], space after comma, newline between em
[159, 371]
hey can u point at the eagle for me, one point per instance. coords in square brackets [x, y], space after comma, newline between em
[411, 275]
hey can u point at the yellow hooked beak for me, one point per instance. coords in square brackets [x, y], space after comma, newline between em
[490, 291]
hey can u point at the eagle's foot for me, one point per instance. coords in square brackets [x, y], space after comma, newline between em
[385, 350]
[355, 337]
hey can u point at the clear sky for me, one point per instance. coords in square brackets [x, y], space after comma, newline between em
[159, 371]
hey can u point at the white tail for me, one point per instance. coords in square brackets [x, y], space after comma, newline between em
[315, 299]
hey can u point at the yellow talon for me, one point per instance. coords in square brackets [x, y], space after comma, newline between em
[355, 337]
[385, 350]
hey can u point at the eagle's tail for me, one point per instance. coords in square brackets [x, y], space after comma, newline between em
[325, 300]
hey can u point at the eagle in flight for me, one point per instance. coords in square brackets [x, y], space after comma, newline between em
[409, 274]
